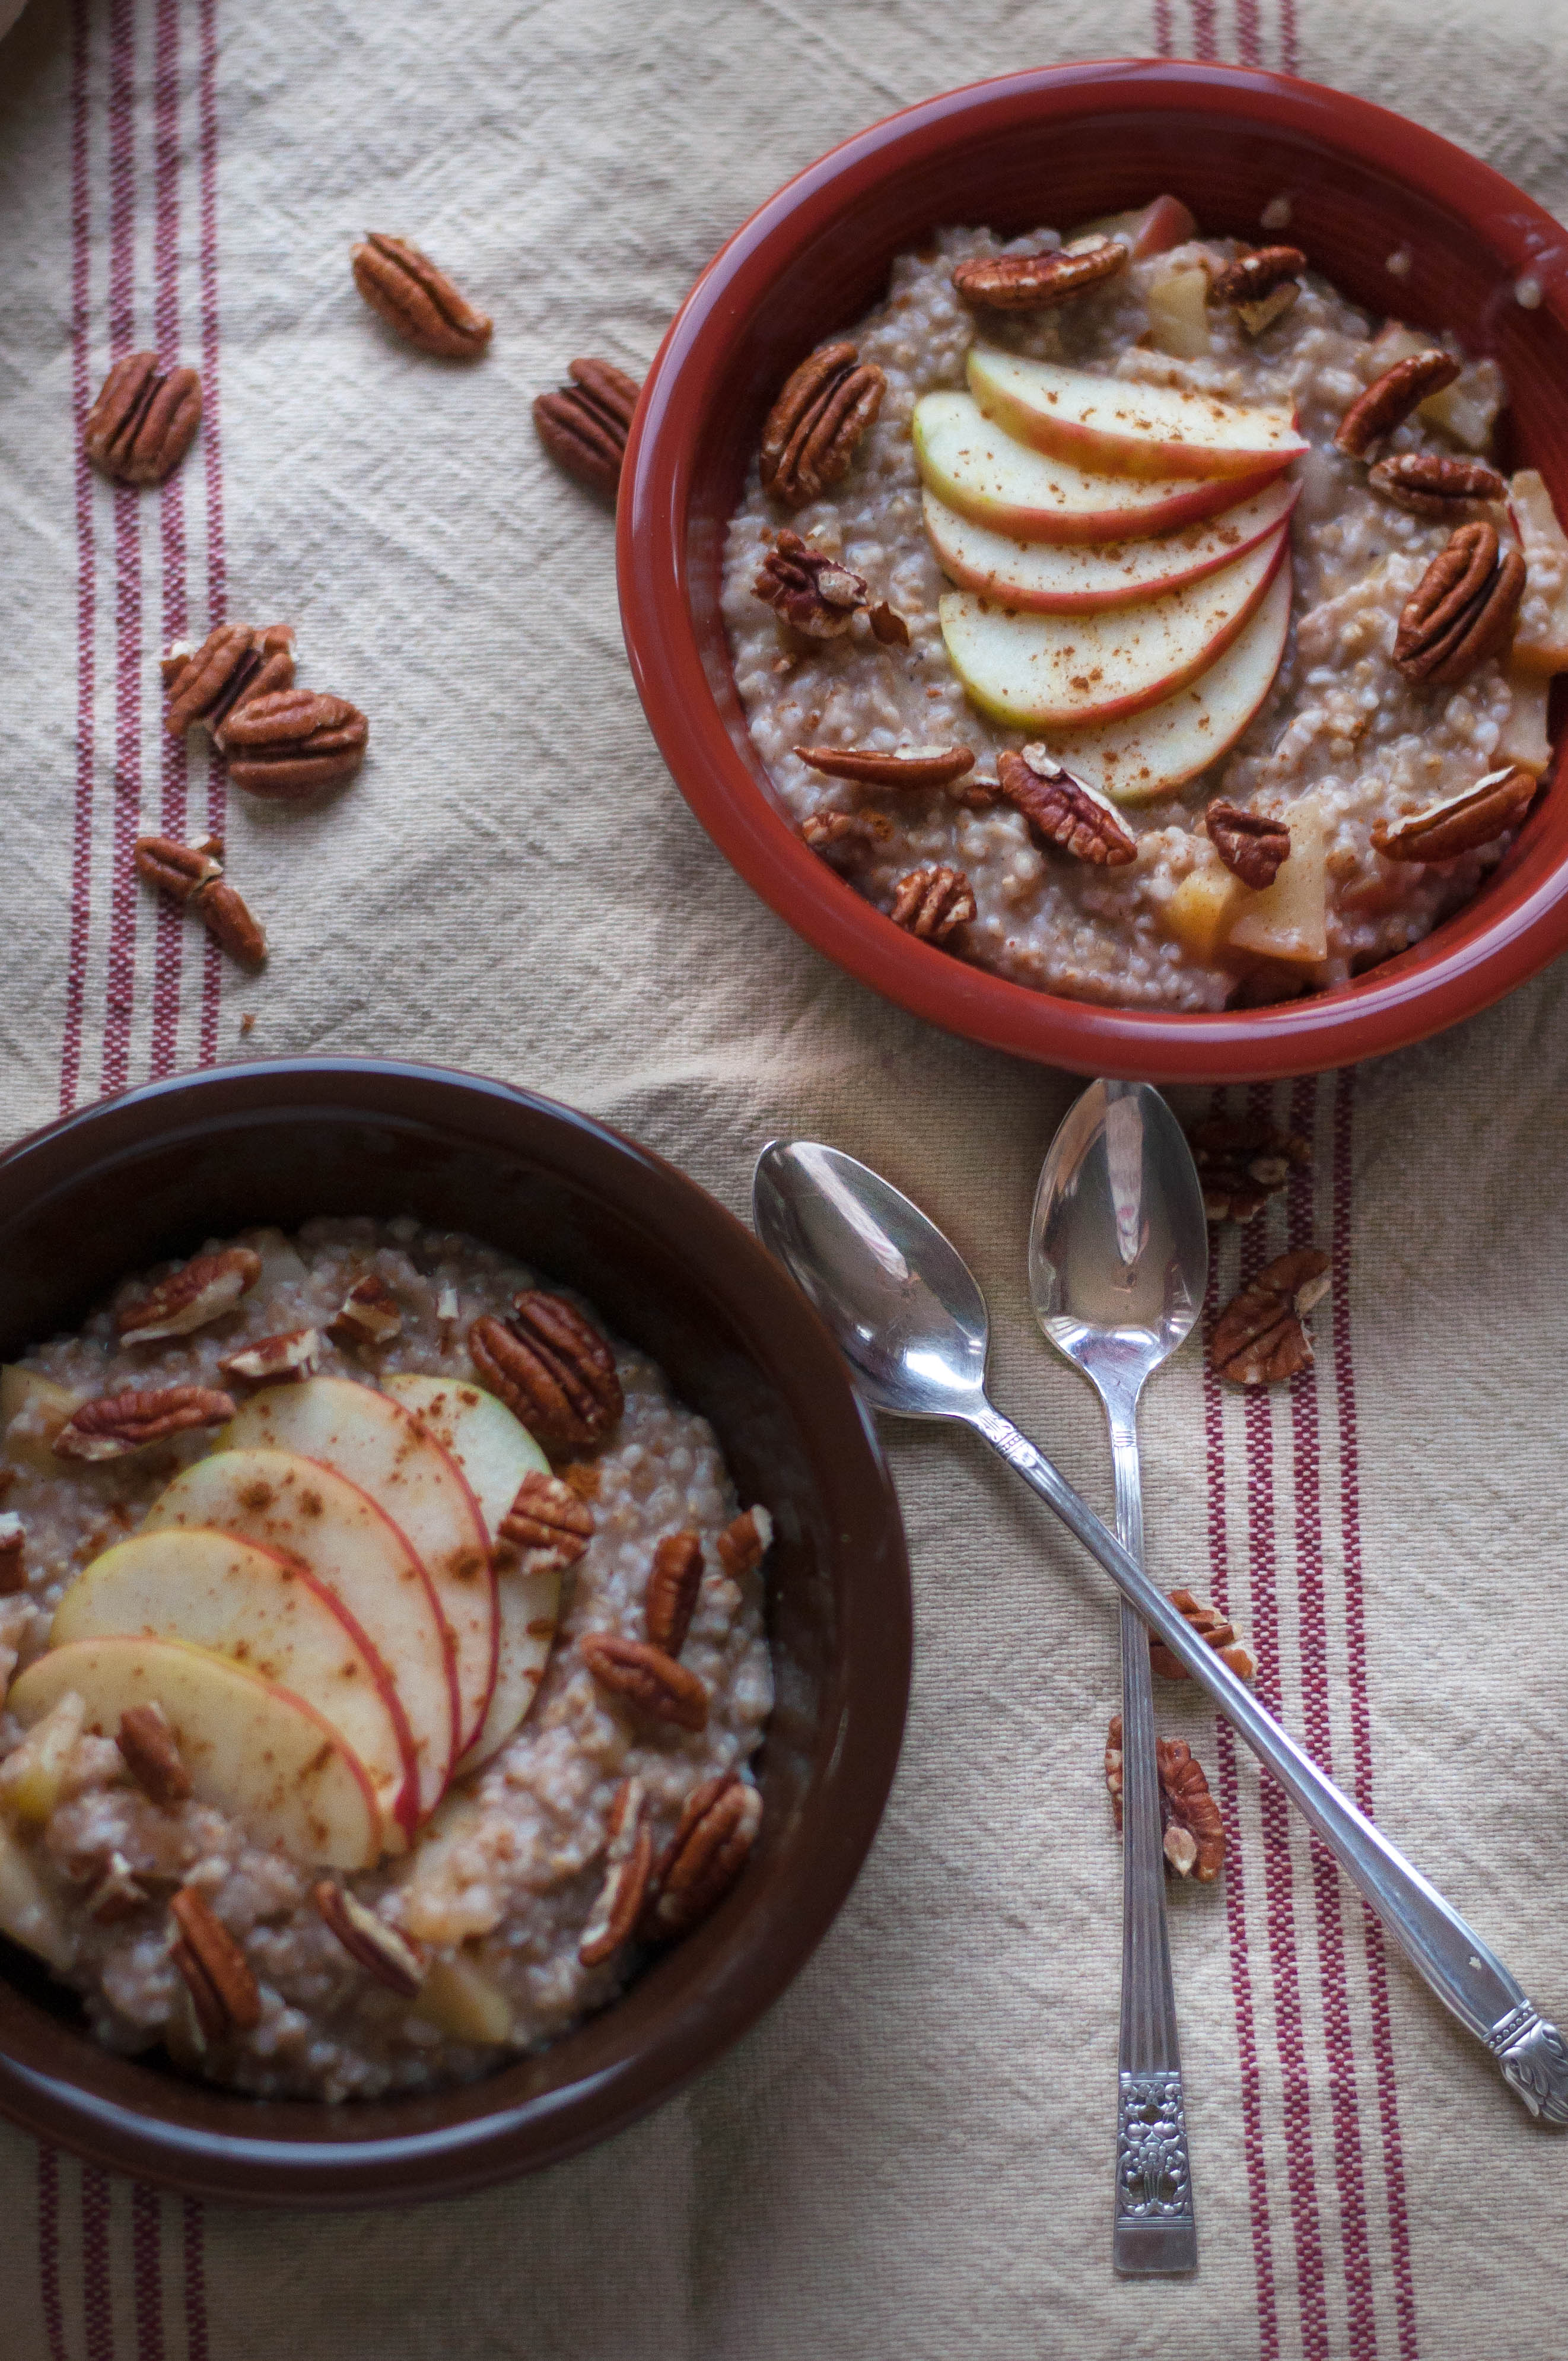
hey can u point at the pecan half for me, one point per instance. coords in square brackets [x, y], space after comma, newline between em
[548, 1519]
[1462, 610]
[1242, 1161]
[113, 1425]
[406, 290]
[670, 1600]
[702, 1861]
[1462, 823]
[812, 429]
[13, 1550]
[552, 1369]
[1028, 282]
[1430, 484]
[1251, 276]
[584, 426]
[369, 1942]
[1260, 1339]
[226, 1996]
[285, 1360]
[1194, 1834]
[369, 1317]
[293, 742]
[193, 875]
[202, 1290]
[1072, 816]
[232, 663]
[744, 1544]
[912, 766]
[144, 420]
[1389, 399]
[845, 835]
[648, 1679]
[813, 592]
[933, 904]
[1254, 845]
[628, 1865]
[152, 1755]
[1209, 1625]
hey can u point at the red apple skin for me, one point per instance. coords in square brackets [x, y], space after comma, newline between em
[1220, 474]
[1204, 499]
[1166, 223]
[995, 585]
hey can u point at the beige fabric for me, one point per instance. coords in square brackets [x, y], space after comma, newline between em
[909, 2159]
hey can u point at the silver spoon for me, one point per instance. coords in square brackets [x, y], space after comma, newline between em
[1118, 1263]
[911, 1322]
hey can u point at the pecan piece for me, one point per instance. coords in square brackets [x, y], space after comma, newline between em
[152, 1755]
[1251, 276]
[1258, 317]
[369, 1317]
[369, 1942]
[1462, 610]
[193, 875]
[887, 626]
[406, 290]
[845, 835]
[1474, 816]
[144, 420]
[1072, 816]
[933, 904]
[13, 1548]
[648, 1679]
[584, 426]
[813, 592]
[293, 742]
[745, 1542]
[1193, 1831]
[548, 1519]
[117, 1894]
[1260, 1339]
[670, 1600]
[1209, 1625]
[1028, 282]
[285, 1360]
[1389, 399]
[912, 766]
[552, 1369]
[1241, 1163]
[812, 429]
[226, 1993]
[202, 1290]
[702, 1861]
[232, 663]
[113, 1425]
[628, 1863]
[1430, 484]
[1254, 845]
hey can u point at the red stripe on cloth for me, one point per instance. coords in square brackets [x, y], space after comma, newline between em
[1162, 28]
[86, 574]
[98, 2295]
[1204, 42]
[195, 2290]
[127, 563]
[147, 2261]
[217, 564]
[169, 926]
[1289, 54]
[1249, 44]
[1360, 1710]
[48, 2252]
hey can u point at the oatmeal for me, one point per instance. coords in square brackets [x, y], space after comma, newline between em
[1308, 574]
[477, 1843]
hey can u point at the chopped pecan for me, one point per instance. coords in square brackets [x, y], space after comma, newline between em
[1194, 1834]
[1072, 816]
[702, 1861]
[13, 1548]
[584, 426]
[548, 1519]
[1209, 1625]
[670, 1600]
[228, 919]
[293, 742]
[404, 287]
[1462, 823]
[1253, 276]
[1260, 1339]
[226, 1993]
[1242, 1161]
[369, 1317]
[1026, 283]
[369, 1942]
[1430, 484]
[117, 1894]
[152, 1754]
[1258, 317]
[812, 429]
[193, 875]
[648, 1679]
[628, 1863]
[1389, 399]
[887, 626]
[933, 904]
[144, 420]
[813, 592]
[1463, 609]
[845, 835]
[285, 1360]
[202, 1290]
[912, 766]
[1254, 845]
[583, 1478]
[744, 1544]
[113, 1425]
[552, 1369]
[232, 663]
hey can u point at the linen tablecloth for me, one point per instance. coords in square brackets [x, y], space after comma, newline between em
[910, 2156]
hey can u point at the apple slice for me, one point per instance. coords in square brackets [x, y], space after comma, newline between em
[1148, 230]
[1157, 751]
[976, 466]
[252, 1749]
[1123, 428]
[495, 1453]
[309, 1511]
[1045, 672]
[370, 1438]
[270, 1613]
[1052, 578]
[1540, 642]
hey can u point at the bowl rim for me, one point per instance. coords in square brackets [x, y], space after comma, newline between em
[739, 1977]
[1432, 986]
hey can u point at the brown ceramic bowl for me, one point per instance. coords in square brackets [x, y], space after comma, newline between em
[152, 1174]
[1062, 145]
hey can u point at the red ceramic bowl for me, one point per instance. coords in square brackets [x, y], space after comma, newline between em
[156, 1170]
[1063, 145]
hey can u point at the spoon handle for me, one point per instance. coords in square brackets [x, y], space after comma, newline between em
[1464, 1974]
